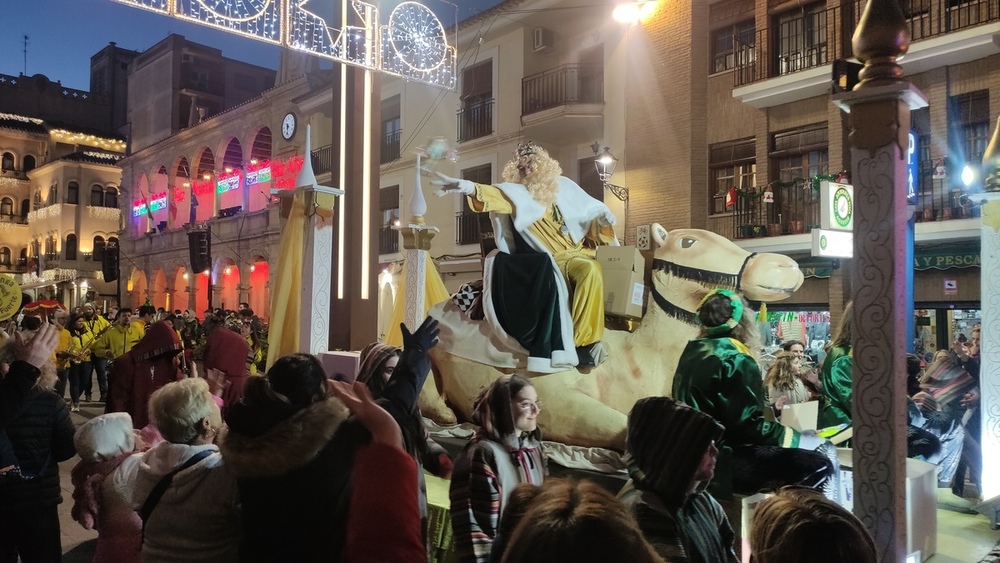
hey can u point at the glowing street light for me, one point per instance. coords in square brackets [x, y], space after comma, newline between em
[633, 12]
[968, 175]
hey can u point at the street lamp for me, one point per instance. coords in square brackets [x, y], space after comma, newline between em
[633, 12]
[605, 164]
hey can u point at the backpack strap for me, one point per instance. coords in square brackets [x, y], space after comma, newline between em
[154, 496]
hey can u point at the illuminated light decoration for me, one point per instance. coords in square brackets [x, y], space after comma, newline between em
[102, 155]
[258, 176]
[228, 183]
[413, 45]
[21, 118]
[203, 188]
[252, 267]
[157, 202]
[366, 184]
[75, 138]
[179, 193]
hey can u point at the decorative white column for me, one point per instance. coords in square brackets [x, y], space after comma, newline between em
[417, 238]
[314, 321]
[879, 109]
[989, 335]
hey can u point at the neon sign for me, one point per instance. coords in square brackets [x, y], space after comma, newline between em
[157, 202]
[281, 173]
[228, 183]
[258, 176]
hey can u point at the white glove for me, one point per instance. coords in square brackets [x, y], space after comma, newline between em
[451, 185]
[607, 219]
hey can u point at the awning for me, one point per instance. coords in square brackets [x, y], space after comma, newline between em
[933, 258]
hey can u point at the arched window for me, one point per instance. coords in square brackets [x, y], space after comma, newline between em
[24, 257]
[53, 195]
[97, 196]
[7, 207]
[38, 199]
[50, 246]
[70, 247]
[7, 161]
[29, 163]
[111, 197]
[73, 193]
[98, 249]
[25, 208]
[5, 256]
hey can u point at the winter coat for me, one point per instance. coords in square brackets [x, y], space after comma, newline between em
[102, 503]
[40, 431]
[293, 468]
[133, 382]
[198, 517]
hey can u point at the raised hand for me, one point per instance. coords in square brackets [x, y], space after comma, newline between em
[358, 399]
[423, 339]
[450, 185]
[39, 349]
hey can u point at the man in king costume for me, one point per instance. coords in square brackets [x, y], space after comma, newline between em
[536, 210]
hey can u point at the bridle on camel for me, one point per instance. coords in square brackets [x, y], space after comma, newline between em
[706, 277]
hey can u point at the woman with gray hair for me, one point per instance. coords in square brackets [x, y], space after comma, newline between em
[188, 502]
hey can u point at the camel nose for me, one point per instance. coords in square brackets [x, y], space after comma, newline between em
[771, 277]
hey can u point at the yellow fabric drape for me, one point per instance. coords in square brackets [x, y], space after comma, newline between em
[434, 293]
[286, 292]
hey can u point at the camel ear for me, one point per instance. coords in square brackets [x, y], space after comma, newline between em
[659, 234]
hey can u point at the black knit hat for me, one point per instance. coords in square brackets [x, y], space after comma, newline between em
[666, 441]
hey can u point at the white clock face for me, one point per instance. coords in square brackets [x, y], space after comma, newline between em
[288, 126]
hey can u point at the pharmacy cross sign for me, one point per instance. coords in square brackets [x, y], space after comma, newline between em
[412, 45]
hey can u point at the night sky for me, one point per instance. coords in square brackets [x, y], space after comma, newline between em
[63, 34]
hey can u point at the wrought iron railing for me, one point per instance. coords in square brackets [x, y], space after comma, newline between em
[466, 228]
[322, 160]
[388, 240]
[794, 209]
[17, 219]
[390, 146]
[817, 38]
[566, 84]
[6, 268]
[475, 120]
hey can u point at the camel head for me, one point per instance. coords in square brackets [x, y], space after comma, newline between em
[688, 263]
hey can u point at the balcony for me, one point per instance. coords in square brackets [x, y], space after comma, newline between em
[792, 59]
[466, 228]
[565, 102]
[475, 120]
[388, 240]
[15, 174]
[390, 147]
[15, 219]
[322, 160]
[19, 268]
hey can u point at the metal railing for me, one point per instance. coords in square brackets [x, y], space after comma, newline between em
[16, 219]
[388, 240]
[475, 120]
[6, 268]
[322, 160]
[566, 84]
[795, 210]
[390, 146]
[8, 173]
[466, 228]
[817, 38]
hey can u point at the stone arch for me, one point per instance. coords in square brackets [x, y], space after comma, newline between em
[227, 281]
[259, 294]
[158, 288]
[137, 287]
[138, 218]
[261, 144]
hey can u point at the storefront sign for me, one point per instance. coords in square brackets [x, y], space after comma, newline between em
[945, 259]
[912, 168]
[950, 287]
[832, 244]
[836, 206]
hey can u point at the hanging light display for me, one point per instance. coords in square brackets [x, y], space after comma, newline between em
[412, 45]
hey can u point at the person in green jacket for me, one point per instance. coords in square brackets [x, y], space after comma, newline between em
[836, 374]
[718, 374]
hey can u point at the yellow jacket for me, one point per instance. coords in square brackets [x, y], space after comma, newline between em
[79, 343]
[96, 324]
[65, 341]
[116, 341]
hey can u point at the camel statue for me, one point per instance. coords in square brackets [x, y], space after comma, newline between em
[591, 409]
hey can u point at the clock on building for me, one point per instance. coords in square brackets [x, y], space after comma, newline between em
[288, 126]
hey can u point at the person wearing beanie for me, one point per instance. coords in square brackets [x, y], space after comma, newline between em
[667, 492]
[718, 374]
[149, 365]
[97, 326]
[101, 502]
[505, 452]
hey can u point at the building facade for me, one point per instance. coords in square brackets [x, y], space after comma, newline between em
[720, 116]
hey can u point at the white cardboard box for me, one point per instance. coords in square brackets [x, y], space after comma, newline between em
[344, 363]
[624, 292]
[921, 501]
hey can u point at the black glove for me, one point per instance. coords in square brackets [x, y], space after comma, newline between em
[425, 337]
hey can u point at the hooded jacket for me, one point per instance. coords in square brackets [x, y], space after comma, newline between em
[145, 368]
[198, 517]
[682, 525]
[229, 353]
[293, 468]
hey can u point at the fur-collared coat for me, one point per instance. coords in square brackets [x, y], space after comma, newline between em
[293, 470]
